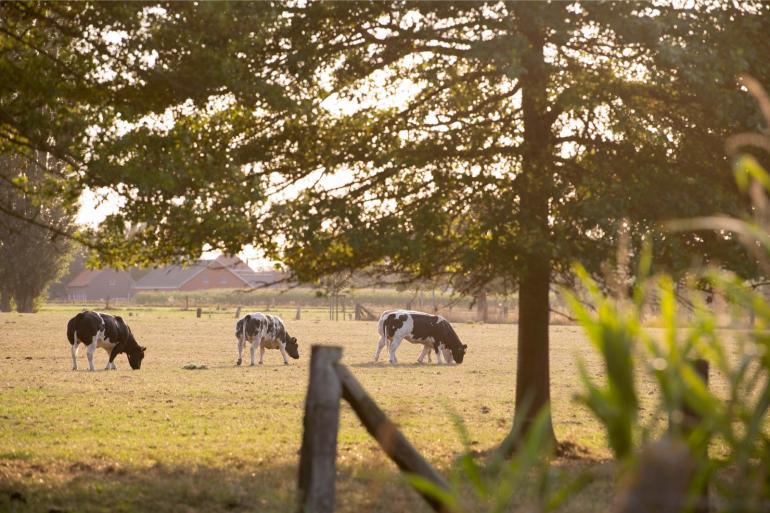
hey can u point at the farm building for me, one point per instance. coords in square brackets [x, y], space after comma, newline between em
[220, 273]
[100, 285]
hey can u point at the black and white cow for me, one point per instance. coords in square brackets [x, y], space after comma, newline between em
[433, 331]
[102, 330]
[267, 332]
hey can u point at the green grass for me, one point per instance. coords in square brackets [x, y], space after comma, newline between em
[227, 438]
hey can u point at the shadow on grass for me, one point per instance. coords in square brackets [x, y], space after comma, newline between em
[371, 485]
[83, 487]
[104, 487]
[385, 364]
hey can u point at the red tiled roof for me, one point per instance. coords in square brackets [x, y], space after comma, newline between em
[84, 278]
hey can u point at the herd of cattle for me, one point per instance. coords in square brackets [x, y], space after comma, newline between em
[111, 333]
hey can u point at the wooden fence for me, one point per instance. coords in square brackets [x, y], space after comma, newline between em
[330, 381]
[660, 484]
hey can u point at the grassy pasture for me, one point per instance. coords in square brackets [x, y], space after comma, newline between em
[227, 438]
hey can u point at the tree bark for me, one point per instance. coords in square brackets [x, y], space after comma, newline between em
[5, 299]
[482, 308]
[535, 185]
[25, 302]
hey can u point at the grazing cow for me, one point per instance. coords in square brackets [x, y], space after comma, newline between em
[433, 331]
[267, 332]
[101, 330]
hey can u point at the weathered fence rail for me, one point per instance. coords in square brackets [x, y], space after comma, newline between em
[364, 314]
[661, 483]
[330, 381]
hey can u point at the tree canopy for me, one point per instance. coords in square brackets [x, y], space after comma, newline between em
[34, 231]
[498, 141]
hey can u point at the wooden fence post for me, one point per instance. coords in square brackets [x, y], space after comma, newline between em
[667, 468]
[317, 469]
[690, 421]
[392, 441]
[661, 480]
[238, 312]
[198, 312]
[298, 315]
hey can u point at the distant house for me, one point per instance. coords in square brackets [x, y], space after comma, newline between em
[263, 278]
[220, 273]
[100, 285]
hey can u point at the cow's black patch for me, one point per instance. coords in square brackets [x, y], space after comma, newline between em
[118, 332]
[85, 325]
[253, 326]
[393, 323]
[425, 326]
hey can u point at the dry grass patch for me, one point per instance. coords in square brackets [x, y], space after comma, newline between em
[226, 438]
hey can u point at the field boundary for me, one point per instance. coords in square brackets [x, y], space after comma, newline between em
[330, 382]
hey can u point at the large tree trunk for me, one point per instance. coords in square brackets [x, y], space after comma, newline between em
[533, 376]
[482, 307]
[25, 302]
[535, 185]
[5, 299]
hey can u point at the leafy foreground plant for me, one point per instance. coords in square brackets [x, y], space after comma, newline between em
[733, 424]
[525, 482]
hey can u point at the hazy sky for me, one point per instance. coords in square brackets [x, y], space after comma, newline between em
[94, 208]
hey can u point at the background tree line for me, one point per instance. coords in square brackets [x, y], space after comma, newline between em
[35, 227]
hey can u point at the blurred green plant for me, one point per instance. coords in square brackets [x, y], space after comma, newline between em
[729, 445]
[493, 483]
[727, 449]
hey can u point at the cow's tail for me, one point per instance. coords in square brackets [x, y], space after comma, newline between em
[72, 334]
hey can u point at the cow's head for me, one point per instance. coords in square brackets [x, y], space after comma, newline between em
[292, 347]
[135, 356]
[452, 341]
[458, 352]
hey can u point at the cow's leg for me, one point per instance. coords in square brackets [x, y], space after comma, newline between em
[74, 350]
[110, 364]
[383, 341]
[90, 353]
[114, 352]
[253, 352]
[241, 343]
[439, 354]
[283, 353]
[448, 358]
[261, 353]
[425, 351]
[393, 346]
